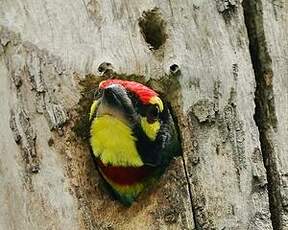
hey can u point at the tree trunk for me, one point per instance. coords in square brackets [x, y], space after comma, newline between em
[222, 64]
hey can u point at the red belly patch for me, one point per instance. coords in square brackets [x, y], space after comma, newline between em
[125, 175]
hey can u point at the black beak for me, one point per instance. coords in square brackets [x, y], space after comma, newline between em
[116, 97]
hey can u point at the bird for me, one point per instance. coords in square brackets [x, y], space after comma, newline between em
[133, 137]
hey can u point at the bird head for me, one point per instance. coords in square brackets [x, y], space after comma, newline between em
[131, 125]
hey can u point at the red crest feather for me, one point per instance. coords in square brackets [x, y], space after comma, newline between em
[143, 92]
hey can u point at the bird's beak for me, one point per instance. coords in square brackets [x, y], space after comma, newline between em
[115, 102]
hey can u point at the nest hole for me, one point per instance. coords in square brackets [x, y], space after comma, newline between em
[153, 28]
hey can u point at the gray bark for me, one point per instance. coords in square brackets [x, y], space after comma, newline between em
[229, 98]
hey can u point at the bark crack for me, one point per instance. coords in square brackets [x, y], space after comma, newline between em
[190, 193]
[265, 114]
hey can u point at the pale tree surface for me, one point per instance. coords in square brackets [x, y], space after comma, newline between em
[223, 66]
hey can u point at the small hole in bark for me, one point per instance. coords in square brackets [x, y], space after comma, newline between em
[153, 28]
[174, 69]
[105, 67]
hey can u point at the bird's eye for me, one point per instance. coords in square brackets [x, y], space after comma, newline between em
[152, 113]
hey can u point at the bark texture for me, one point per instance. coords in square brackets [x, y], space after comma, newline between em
[221, 63]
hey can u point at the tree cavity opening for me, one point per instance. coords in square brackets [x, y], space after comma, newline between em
[153, 28]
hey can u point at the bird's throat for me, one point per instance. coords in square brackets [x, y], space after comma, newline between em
[112, 141]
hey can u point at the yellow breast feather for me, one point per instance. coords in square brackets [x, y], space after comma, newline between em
[113, 142]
